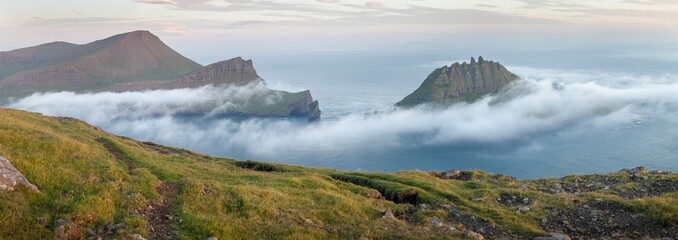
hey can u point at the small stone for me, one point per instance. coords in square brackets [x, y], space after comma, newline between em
[109, 227]
[557, 186]
[478, 199]
[60, 222]
[137, 236]
[120, 226]
[452, 229]
[169, 217]
[308, 221]
[524, 187]
[212, 238]
[435, 221]
[526, 200]
[90, 232]
[523, 209]
[388, 214]
[473, 235]
[455, 212]
[422, 206]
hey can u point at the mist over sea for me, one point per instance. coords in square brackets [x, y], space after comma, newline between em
[573, 112]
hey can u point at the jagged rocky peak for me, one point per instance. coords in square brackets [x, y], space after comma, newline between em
[233, 71]
[460, 82]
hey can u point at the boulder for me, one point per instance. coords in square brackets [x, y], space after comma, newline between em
[11, 178]
[473, 235]
[435, 221]
[389, 214]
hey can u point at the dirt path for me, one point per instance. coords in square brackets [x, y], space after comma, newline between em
[160, 213]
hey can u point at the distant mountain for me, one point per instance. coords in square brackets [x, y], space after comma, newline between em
[133, 61]
[460, 82]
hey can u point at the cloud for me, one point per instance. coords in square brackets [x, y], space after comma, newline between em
[374, 5]
[157, 1]
[581, 99]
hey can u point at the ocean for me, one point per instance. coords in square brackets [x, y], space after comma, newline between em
[611, 110]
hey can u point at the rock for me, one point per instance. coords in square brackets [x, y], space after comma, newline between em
[478, 199]
[473, 235]
[60, 222]
[314, 111]
[109, 228]
[11, 178]
[523, 209]
[452, 174]
[137, 236]
[557, 186]
[453, 230]
[308, 221]
[388, 214]
[119, 226]
[435, 221]
[526, 200]
[638, 170]
[90, 232]
[212, 238]
[422, 206]
[554, 236]
[524, 187]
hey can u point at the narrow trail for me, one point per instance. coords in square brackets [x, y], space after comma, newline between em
[159, 214]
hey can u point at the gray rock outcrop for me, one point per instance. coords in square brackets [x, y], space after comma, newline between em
[11, 178]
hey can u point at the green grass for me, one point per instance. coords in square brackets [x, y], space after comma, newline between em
[92, 178]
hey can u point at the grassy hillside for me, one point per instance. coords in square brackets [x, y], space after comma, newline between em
[91, 179]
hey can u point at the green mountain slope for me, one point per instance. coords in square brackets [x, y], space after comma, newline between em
[26, 58]
[133, 56]
[89, 179]
[460, 82]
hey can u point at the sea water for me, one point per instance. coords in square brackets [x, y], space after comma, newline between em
[614, 112]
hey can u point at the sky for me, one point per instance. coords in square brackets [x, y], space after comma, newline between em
[207, 30]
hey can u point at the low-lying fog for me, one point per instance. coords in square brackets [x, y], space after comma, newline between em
[550, 123]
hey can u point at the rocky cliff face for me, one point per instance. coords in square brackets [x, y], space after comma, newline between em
[460, 82]
[234, 71]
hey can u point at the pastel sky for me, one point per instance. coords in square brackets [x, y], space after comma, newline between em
[252, 26]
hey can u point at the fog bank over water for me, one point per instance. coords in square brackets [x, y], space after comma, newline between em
[562, 120]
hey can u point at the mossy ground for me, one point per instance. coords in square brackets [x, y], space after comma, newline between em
[91, 178]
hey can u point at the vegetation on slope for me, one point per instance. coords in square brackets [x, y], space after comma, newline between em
[95, 180]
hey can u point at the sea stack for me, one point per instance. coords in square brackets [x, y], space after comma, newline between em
[460, 82]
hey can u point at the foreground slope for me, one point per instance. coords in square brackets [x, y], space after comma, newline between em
[460, 82]
[94, 183]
